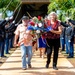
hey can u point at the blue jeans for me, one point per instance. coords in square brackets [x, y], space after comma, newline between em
[62, 41]
[1, 48]
[66, 42]
[6, 45]
[71, 49]
[26, 50]
[11, 42]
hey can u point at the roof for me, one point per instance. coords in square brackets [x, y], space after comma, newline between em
[35, 1]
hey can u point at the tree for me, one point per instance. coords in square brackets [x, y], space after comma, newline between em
[6, 5]
[66, 6]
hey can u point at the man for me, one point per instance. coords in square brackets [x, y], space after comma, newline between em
[25, 41]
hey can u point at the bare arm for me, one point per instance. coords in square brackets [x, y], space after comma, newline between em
[15, 40]
[57, 32]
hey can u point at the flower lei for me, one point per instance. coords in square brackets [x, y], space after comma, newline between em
[54, 25]
[38, 27]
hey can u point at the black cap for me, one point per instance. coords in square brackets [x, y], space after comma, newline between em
[25, 18]
[72, 21]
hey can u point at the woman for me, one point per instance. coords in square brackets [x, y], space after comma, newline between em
[53, 39]
[41, 46]
[41, 40]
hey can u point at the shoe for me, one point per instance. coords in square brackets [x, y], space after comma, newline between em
[24, 68]
[66, 53]
[1, 62]
[8, 53]
[4, 56]
[54, 67]
[29, 66]
[62, 50]
[70, 57]
[47, 66]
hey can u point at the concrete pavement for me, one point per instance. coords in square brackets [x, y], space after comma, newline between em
[12, 66]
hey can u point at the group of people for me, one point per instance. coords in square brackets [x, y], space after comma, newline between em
[50, 41]
[67, 37]
[48, 35]
[6, 36]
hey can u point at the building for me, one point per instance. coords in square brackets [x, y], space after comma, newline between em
[34, 7]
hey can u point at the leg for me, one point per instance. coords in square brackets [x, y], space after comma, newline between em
[23, 54]
[66, 41]
[49, 52]
[6, 45]
[40, 49]
[63, 45]
[29, 48]
[71, 50]
[43, 52]
[2, 48]
[55, 56]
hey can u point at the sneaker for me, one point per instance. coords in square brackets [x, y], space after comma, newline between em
[29, 66]
[54, 67]
[70, 57]
[24, 68]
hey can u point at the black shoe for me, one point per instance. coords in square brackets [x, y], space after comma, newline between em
[47, 66]
[8, 53]
[62, 50]
[54, 67]
[70, 57]
[1, 62]
[29, 66]
[66, 53]
[4, 56]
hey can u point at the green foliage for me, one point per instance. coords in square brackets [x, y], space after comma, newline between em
[12, 6]
[66, 6]
[71, 12]
[8, 5]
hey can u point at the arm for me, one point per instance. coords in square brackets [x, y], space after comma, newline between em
[17, 33]
[15, 40]
[72, 34]
[57, 32]
[64, 24]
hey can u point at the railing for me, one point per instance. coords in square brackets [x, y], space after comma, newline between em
[35, 1]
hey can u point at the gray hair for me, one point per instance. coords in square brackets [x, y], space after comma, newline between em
[52, 13]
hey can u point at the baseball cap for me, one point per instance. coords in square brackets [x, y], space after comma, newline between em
[25, 18]
[72, 21]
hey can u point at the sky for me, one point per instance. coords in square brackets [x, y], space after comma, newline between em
[9, 13]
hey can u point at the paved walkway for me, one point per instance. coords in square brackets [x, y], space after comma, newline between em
[12, 66]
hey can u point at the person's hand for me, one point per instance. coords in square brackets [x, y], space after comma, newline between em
[49, 28]
[15, 44]
[30, 28]
[69, 40]
[52, 31]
